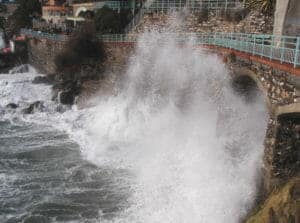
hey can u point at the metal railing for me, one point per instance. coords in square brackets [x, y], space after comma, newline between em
[177, 5]
[193, 5]
[285, 49]
[44, 35]
[135, 21]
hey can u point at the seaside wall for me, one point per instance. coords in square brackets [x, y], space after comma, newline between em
[42, 53]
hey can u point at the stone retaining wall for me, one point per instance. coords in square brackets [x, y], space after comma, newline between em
[280, 159]
[236, 21]
[42, 53]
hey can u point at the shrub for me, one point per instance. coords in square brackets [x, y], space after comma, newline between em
[109, 21]
[3, 8]
[23, 15]
[83, 48]
[203, 15]
[266, 6]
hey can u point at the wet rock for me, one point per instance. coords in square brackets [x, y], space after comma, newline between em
[67, 92]
[44, 80]
[38, 105]
[12, 106]
[67, 97]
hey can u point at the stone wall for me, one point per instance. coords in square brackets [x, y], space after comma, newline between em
[234, 21]
[114, 69]
[42, 54]
[281, 135]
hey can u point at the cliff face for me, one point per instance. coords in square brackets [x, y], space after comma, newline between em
[282, 206]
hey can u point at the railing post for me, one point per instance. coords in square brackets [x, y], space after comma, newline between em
[263, 46]
[247, 45]
[254, 44]
[272, 46]
[297, 52]
[282, 50]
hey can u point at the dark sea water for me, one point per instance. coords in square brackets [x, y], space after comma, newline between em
[43, 178]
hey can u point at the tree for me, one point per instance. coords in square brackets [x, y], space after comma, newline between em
[110, 21]
[2, 22]
[3, 8]
[23, 15]
[84, 48]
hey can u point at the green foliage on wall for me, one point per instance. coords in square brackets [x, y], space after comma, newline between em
[82, 49]
[266, 6]
[110, 21]
[23, 15]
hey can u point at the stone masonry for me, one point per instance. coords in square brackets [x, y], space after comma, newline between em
[42, 53]
[238, 22]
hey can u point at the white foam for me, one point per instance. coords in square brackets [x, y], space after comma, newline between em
[193, 146]
[18, 88]
[190, 165]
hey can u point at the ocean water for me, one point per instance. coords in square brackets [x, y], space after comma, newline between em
[174, 143]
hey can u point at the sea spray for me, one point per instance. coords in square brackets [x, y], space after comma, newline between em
[185, 146]
[193, 146]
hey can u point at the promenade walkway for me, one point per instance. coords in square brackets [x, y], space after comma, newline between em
[282, 52]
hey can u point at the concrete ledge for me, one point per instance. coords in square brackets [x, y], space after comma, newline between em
[285, 109]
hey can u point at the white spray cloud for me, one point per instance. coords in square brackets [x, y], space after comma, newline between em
[193, 146]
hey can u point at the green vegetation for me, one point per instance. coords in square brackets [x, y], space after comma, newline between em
[109, 21]
[2, 22]
[281, 206]
[83, 49]
[266, 6]
[23, 15]
[3, 8]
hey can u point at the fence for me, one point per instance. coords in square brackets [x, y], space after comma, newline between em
[39, 34]
[44, 25]
[285, 49]
[192, 5]
[177, 5]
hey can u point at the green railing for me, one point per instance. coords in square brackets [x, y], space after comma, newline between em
[39, 34]
[115, 5]
[178, 5]
[166, 5]
[285, 49]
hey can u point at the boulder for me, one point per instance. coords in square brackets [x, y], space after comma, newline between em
[38, 105]
[66, 92]
[67, 97]
[44, 80]
[12, 106]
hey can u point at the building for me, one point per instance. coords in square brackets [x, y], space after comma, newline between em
[55, 11]
[84, 7]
